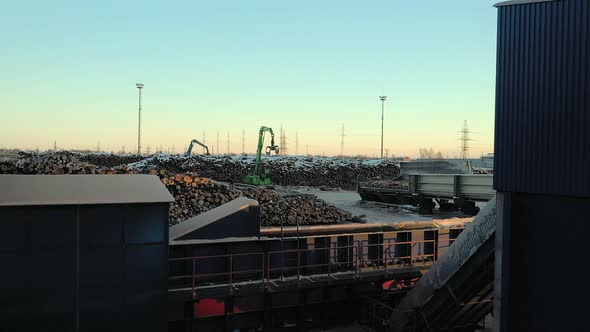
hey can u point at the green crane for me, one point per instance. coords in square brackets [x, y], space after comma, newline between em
[259, 177]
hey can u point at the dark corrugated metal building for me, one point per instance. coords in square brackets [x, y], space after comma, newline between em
[83, 253]
[542, 154]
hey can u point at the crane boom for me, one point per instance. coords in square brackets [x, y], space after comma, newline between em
[190, 147]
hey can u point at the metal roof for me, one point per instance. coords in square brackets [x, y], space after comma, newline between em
[225, 210]
[24, 190]
[519, 2]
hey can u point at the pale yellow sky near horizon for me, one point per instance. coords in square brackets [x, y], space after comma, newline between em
[405, 131]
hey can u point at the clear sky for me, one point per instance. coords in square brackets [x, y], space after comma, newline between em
[68, 71]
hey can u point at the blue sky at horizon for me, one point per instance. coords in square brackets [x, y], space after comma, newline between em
[69, 68]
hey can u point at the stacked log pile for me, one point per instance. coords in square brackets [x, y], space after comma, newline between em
[47, 163]
[109, 159]
[327, 172]
[194, 195]
[293, 209]
[188, 180]
[56, 163]
[287, 171]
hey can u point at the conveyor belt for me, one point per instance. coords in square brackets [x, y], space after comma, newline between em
[456, 293]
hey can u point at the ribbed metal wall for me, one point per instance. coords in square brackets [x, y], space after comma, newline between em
[542, 142]
[84, 267]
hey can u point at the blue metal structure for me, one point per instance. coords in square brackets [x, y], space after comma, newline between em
[83, 253]
[543, 96]
[542, 153]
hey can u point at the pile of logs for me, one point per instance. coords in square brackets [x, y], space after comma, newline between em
[194, 195]
[188, 179]
[109, 159]
[55, 163]
[47, 163]
[293, 209]
[285, 170]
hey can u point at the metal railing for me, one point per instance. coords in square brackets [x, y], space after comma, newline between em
[333, 264]
[266, 270]
[212, 278]
[416, 253]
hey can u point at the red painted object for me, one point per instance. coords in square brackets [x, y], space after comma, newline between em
[210, 307]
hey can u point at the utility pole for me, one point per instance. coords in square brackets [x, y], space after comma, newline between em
[55, 145]
[140, 88]
[306, 149]
[228, 143]
[243, 140]
[382, 98]
[204, 140]
[342, 141]
[149, 150]
[98, 147]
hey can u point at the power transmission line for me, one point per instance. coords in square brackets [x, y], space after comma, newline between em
[217, 144]
[243, 140]
[342, 141]
[283, 142]
[465, 139]
[297, 143]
